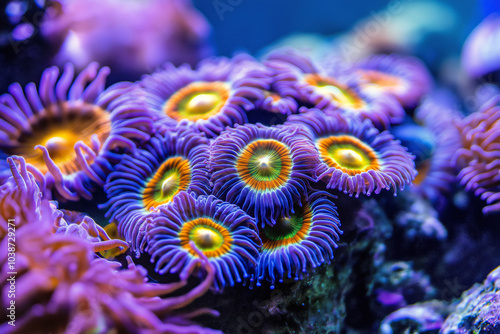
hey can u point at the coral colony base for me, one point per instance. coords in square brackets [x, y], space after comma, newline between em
[199, 198]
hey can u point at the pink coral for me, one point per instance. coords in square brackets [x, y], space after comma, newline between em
[479, 156]
[61, 287]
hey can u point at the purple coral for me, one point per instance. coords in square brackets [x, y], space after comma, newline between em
[479, 156]
[478, 309]
[21, 203]
[481, 51]
[20, 197]
[296, 76]
[84, 227]
[355, 157]
[214, 95]
[262, 169]
[77, 293]
[299, 242]
[221, 231]
[437, 174]
[419, 318]
[154, 175]
[73, 125]
[406, 78]
[153, 32]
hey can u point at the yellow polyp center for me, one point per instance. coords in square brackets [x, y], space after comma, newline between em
[170, 185]
[349, 158]
[198, 100]
[201, 104]
[58, 128]
[348, 154]
[343, 95]
[345, 99]
[210, 237]
[205, 238]
[173, 176]
[58, 146]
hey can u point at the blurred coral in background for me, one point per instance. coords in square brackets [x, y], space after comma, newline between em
[331, 170]
[130, 36]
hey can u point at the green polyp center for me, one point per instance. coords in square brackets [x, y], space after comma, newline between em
[265, 165]
[206, 238]
[168, 186]
[349, 157]
[285, 228]
[200, 103]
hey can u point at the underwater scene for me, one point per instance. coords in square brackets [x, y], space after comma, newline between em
[249, 166]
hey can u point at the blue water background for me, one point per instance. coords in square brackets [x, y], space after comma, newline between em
[250, 25]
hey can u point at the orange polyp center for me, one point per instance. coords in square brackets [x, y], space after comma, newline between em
[58, 128]
[423, 171]
[173, 176]
[381, 80]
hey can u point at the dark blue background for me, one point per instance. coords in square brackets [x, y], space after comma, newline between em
[253, 24]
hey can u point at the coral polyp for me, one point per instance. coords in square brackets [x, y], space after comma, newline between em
[221, 231]
[77, 293]
[264, 165]
[348, 154]
[173, 175]
[355, 157]
[214, 95]
[84, 227]
[233, 174]
[274, 103]
[295, 75]
[154, 175]
[262, 169]
[19, 196]
[479, 156]
[437, 174]
[197, 101]
[341, 94]
[403, 77]
[480, 51]
[68, 130]
[299, 242]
